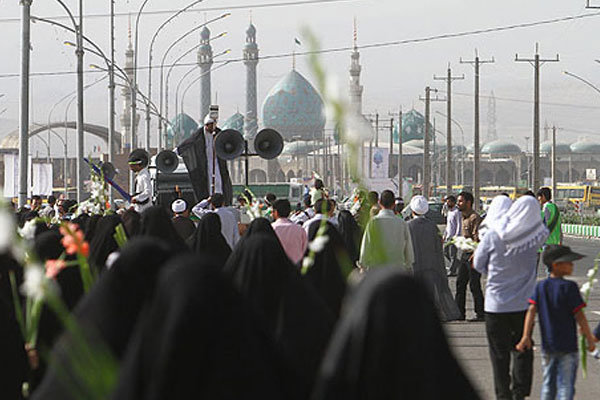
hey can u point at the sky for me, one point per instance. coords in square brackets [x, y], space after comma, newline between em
[393, 76]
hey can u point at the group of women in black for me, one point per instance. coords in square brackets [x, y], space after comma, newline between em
[199, 320]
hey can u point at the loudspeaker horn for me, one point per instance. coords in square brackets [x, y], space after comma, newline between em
[268, 144]
[229, 144]
[167, 161]
[108, 170]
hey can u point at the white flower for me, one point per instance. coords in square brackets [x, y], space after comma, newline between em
[7, 232]
[318, 243]
[28, 230]
[35, 284]
[585, 288]
[464, 244]
[307, 262]
[591, 272]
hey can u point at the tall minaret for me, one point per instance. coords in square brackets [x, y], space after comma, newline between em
[250, 61]
[205, 61]
[126, 141]
[356, 88]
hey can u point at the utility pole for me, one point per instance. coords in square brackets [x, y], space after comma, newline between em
[400, 180]
[527, 161]
[111, 88]
[391, 153]
[477, 62]
[426, 139]
[24, 114]
[449, 79]
[376, 130]
[80, 138]
[536, 62]
[554, 162]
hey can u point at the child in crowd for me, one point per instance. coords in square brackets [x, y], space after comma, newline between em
[560, 307]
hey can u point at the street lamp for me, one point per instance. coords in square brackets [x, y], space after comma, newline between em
[462, 157]
[165, 23]
[162, 65]
[24, 100]
[582, 80]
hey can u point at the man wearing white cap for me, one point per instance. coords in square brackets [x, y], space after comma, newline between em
[429, 261]
[386, 240]
[181, 219]
[208, 172]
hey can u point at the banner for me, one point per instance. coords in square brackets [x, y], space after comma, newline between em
[11, 175]
[380, 163]
[42, 179]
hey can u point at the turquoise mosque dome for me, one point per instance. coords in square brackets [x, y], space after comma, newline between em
[586, 146]
[501, 147]
[413, 127]
[183, 126]
[236, 121]
[561, 148]
[294, 108]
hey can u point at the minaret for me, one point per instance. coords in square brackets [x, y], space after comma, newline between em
[356, 88]
[250, 61]
[126, 141]
[205, 61]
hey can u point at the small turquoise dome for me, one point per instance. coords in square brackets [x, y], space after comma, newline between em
[561, 148]
[183, 126]
[413, 127]
[301, 147]
[294, 108]
[501, 147]
[586, 146]
[236, 121]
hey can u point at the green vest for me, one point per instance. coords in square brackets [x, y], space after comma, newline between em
[553, 224]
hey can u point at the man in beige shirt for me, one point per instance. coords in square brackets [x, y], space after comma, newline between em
[466, 274]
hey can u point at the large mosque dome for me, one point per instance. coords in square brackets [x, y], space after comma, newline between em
[182, 127]
[236, 121]
[413, 127]
[586, 146]
[294, 108]
[500, 147]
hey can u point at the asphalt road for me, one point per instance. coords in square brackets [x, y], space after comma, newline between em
[469, 341]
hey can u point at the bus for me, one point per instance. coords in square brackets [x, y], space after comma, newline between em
[587, 196]
[487, 193]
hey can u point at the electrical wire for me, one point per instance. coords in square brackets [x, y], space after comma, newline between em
[195, 10]
[361, 47]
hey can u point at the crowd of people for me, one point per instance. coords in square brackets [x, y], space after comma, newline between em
[309, 301]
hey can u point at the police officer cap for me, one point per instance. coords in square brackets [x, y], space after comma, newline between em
[138, 157]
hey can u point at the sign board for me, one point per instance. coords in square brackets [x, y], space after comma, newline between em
[11, 175]
[41, 175]
[590, 174]
[380, 161]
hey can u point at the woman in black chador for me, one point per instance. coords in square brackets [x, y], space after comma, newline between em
[294, 312]
[200, 340]
[208, 239]
[104, 241]
[107, 315]
[328, 273]
[157, 223]
[390, 344]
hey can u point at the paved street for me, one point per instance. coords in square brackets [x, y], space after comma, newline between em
[469, 340]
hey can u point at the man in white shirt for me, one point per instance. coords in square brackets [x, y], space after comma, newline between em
[292, 237]
[453, 229]
[229, 224]
[142, 196]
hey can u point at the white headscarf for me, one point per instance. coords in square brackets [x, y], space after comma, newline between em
[419, 205]
[208, 120]
[523, 228]
[496, 214]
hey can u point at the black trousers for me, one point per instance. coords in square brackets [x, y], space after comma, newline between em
[504, 330]
[467, 275]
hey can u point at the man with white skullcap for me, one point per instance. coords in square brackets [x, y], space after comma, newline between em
[386, 240]
[181, 219]
[208, 172]
[142, 196]
[429, 265]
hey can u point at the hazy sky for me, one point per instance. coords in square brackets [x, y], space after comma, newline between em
[393, 76]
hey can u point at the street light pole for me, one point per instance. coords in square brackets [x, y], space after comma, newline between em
[80, 108]
[24, 114]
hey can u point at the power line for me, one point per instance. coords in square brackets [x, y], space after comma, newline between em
[515, 100]
[367, 46]
[204, 9]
